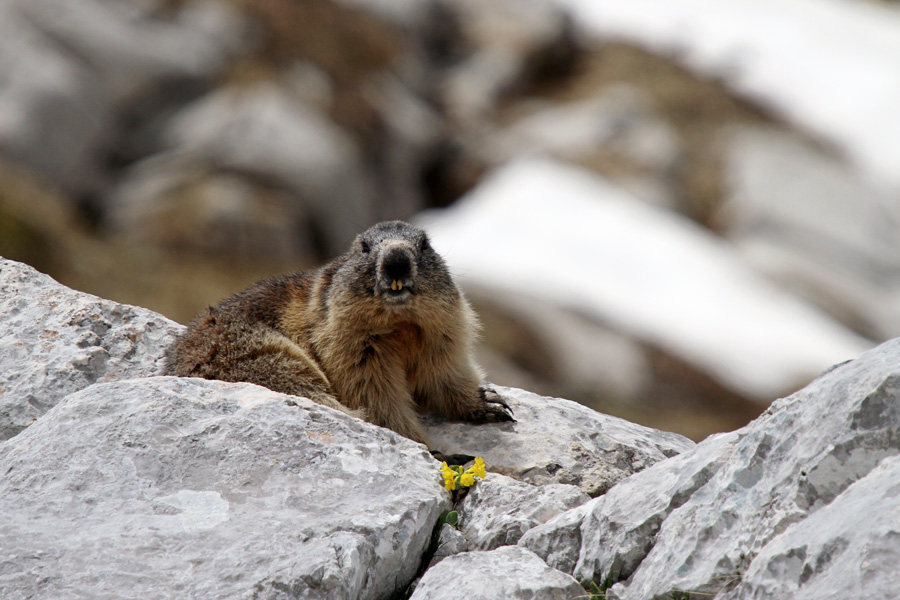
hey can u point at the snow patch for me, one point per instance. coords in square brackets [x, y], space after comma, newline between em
[544, 229]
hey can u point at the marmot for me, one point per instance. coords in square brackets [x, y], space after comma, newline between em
[382, 332]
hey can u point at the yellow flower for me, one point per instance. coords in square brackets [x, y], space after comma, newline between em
[467, 479]
[449, 476]
[478, 468]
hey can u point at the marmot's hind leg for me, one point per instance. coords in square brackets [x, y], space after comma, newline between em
[218, 349]
[275, 362]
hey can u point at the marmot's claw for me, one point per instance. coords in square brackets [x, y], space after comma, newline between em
[503, 412]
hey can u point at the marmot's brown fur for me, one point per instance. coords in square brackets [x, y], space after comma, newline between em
[382, 332]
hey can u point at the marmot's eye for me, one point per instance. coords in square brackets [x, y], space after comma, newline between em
[424, 245]
[365, 246]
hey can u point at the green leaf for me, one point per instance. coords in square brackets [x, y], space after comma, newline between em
[452, 518]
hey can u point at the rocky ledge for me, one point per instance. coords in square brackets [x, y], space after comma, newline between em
[117, 482]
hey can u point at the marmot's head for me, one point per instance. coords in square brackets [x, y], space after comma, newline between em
[394, 264]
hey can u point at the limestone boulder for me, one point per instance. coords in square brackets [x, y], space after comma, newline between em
[754, 513]
[169, 487]
[509, 572]
[499, 510]
[56, 341]
[847, 549]
[450, 541]
[557, 441]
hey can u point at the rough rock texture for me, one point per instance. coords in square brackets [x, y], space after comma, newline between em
[569, 540]
[756, 506]
[849, 549]
[509, 572]
[168, 487]
[55, 341]
[451, 541]
[500, 509]
[559, 541]
[558, 441]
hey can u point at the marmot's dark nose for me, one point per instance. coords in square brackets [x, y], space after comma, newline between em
[397, 265]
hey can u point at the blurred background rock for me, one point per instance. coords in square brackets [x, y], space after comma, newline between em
[736, 166]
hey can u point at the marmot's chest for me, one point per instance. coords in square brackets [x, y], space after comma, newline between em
[404, 342]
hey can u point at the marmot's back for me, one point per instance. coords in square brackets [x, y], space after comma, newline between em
[381, 332]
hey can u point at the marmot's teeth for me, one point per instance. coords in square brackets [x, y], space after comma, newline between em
[396, 285]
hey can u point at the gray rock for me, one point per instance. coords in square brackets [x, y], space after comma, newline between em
[736, 503]
[130, 46]
[169, 203]
[569, 542]
[409, 143]
[846, 550]
[450, 542]
[403, 13]
[264, 131]
[557, 441]
[55, 341]
[508, 41]
[170, 487]
[558, 542]
[510, 572]
[71, 69]
[55, 111]
[498, 510]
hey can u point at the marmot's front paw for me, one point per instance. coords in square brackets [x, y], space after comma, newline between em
[494, 407]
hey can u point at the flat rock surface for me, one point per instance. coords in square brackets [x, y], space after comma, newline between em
[186, 488]
[558, 441]
[511, 573]
[762, 508]
[55, 341]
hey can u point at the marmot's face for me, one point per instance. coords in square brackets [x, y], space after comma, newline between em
[394, 264]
